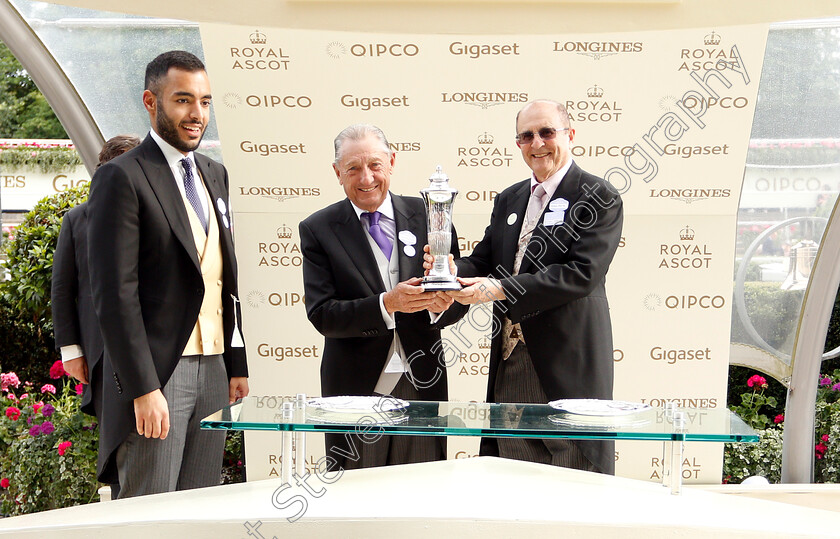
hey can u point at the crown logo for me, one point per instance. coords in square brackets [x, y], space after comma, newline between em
[687, 234]
[284, 233]
[258, 38]
[595, 91]
[486, 138]
[712, 39]
[483, 343]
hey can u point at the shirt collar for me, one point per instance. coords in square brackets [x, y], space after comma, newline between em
[173, 156]
[386, 208]
[552, 182]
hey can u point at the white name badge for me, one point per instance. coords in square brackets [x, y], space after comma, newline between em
[553, 217]
[407, 237]
[558, 204]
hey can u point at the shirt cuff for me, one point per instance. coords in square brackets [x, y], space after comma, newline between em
[70, 352]
[386, 316]
[434, 317]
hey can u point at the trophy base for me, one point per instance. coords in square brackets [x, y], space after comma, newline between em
[440, 286]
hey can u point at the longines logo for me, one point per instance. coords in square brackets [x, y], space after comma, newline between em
[484, 100]
[258, 56]
[475, 51]
[280, 353]
[337, 50]
[690, 196]
[484, 153]
[281, 251]
[9, 181]
[266, 149]
[257, 299]
[280, 194]
[709, 55]
[693, 402]
[404, 146]
[594, 108]
[684, 302]
[598, 49]
[233, 100]
[686, 253]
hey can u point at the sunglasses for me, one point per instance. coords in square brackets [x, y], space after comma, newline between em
[545, 133]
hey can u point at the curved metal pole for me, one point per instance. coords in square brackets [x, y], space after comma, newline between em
[798, 442]
[53, 83]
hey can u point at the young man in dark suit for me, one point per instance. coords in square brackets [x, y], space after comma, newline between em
[163, 275]
[543, 261]
[362, 263]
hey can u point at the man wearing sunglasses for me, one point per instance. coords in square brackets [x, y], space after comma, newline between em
[543, 261]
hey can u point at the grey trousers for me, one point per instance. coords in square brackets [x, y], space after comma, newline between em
[189, 457]
[386, 450]
[517, 382]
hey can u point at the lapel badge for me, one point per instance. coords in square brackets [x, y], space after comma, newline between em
[408, 239]
[512, 219]
[409, 251]
[221, 205]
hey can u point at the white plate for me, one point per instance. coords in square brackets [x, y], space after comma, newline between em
[598, 407]
[357, 405]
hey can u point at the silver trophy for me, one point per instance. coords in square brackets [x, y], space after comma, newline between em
[439, 198]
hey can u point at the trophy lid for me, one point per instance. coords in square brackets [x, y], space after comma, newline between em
[439, 181]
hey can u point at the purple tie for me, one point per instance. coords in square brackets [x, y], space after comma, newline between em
[378, 234]
[192, 193]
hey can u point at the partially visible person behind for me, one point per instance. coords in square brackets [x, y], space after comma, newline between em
[76, 328]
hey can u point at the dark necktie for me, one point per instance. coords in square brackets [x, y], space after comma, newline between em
[192, 193]
[378, 234]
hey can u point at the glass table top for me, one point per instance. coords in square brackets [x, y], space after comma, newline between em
[482, 419]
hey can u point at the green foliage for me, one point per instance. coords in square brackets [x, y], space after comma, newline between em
[24, 112]
[773, 312]
[755, 403]
[233, 466]
[763, 458]
[46, 158]
[26, 333]
[39, 468]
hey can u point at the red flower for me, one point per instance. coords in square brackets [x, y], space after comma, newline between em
[80, 389]
[824, 437]
[757, 380]
[819, 450]
[779, 419]
[5, 482]
[13, 413]
[63, 447]
[57, 370]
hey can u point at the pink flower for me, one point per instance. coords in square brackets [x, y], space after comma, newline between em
[819, 450]
[779, 419]
[836, 387]
[825, 381]
[13, 413]
[48, 388]
[24, 396]
[57, 370]
[80, 389]
[757, 381]
[5, 482]
[9, 379]
[824, 437]
[63, 447]
[37, 406]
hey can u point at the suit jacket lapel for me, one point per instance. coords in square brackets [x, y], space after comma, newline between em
[217, 192]
[518, 206]
[160, 178]
[351, 236]
[414, 222]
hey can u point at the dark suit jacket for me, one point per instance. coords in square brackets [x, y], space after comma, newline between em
[146, 280]
[74, 318]
[342, 286]
[559, 295]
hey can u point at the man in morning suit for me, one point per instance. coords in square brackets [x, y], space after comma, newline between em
[74, 318]
[163, 275]
[543, 259]
[362, 259]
